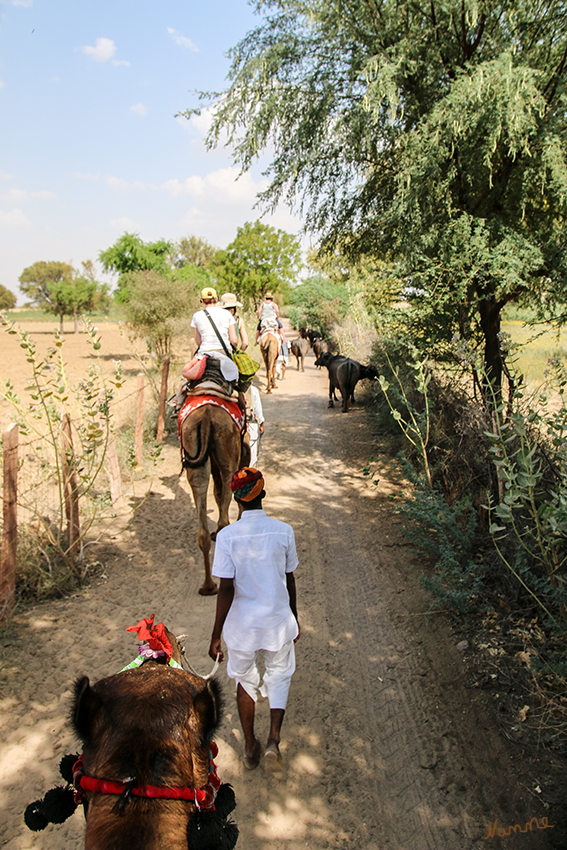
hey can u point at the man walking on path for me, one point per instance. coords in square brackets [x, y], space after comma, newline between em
[256, 611]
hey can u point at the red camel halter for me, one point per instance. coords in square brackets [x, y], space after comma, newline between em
[204, 798]
[157, 645]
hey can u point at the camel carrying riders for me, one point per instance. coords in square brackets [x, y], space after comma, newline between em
[207, 342]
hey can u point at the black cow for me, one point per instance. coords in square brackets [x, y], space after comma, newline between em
[300, 347]
[319, 348]
[344, 374]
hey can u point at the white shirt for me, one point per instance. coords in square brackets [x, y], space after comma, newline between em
[222, 318]
[257, 552]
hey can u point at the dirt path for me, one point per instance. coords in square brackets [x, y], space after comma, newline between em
[384, 744]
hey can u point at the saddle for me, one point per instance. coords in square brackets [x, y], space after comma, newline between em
[211, 381]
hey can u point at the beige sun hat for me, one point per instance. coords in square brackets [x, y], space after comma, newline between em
[229, 300]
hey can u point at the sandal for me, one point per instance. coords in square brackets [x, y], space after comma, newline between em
[252, 762]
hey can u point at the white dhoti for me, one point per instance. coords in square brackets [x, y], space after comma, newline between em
[279, 668]
[254, 431]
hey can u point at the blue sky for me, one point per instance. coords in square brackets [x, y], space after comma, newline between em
[90, 146]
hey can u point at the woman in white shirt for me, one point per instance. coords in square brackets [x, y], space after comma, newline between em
[206, 338]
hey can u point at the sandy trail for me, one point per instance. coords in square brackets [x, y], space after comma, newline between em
[384, 744]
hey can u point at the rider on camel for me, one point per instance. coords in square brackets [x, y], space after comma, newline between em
[269, 316]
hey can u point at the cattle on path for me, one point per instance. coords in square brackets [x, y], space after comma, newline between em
[299, 348]
[344, 374]
[319, 348]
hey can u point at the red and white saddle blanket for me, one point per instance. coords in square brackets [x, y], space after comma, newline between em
[192, 402]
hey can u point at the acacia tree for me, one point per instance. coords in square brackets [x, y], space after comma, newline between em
[192, 251]
[260, 258]
[59, 289]
[430, 132]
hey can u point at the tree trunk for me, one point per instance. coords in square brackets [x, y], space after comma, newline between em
[61, 317]
[490, 319]
[76, 320]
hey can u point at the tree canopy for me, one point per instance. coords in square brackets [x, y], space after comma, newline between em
[7, 298]
[193, 251]
[431, 132]
[131, 254]
[60, 289]
[260, 258]
[159, 307]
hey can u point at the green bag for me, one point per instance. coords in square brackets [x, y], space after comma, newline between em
[247, 367]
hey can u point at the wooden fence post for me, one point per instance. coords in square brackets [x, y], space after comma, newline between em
[139, 436]
[113, 472]
[162, 398]
[10, 533]
[71, 490]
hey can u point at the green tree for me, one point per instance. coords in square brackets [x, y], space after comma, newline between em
[59, 289]
[130, 254]
[160, 307]
[7, 298]
[433, 132]
[192, 251]
[259, 259]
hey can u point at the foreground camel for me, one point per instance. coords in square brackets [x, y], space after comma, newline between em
[147, 758]
[212, 445]
[269, 346]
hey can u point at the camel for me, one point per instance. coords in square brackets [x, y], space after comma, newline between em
[147, 757]
[269, 346]
[212, 445]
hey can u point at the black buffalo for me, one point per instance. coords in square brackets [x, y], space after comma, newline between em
[319, 348]
[344, 374]
[299, 348]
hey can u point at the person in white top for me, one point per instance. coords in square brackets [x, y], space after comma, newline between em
[255, 421]
[255, 559]
[206, 338]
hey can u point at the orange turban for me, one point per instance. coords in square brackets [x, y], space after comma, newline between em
[247, 483]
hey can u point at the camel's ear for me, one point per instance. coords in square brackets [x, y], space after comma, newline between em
[86, 706]
[208, 705]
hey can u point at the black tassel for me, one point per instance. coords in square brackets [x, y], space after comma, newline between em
[225, 801]
[34, 818]
[58, 804]
[66, 767]
[207, 831]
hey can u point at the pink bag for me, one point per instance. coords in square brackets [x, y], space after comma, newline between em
[195, 369]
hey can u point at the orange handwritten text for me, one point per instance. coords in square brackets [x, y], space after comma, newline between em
[502, 832]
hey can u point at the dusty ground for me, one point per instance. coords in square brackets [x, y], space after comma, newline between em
[385, 744]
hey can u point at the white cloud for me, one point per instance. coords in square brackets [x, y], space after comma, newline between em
[14, 218]
[125, 223]
[44, 195]
[121, 62]
[2, 84]
[19, 196]
[25, 3]
[103, 50]
[14, 196]
[201, 123]
[122, 185]
[182, 40]
[222, 185]
[139, 109]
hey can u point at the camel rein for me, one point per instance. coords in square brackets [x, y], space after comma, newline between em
[204, 798]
